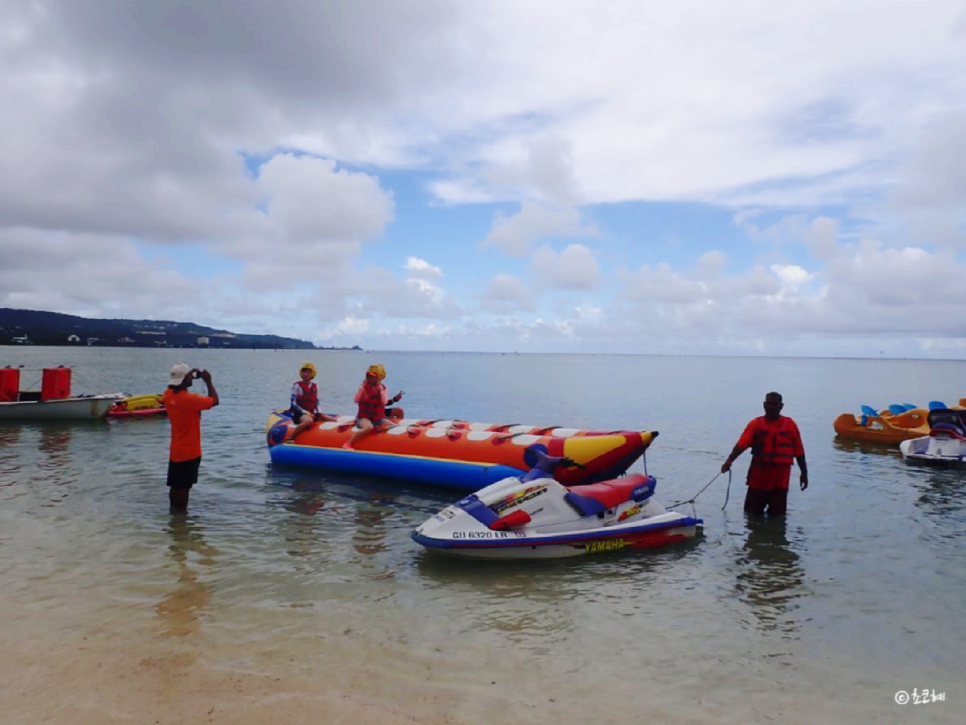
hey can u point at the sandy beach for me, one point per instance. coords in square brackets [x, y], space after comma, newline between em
[65, 667]
[117, 666]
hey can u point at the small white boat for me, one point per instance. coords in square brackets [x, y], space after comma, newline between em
[536, 517]
[91, 407]
[946, 443]
[52, 402]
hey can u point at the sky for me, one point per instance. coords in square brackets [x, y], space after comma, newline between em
[740, 177]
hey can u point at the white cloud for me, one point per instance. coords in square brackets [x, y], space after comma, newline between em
[459, 191]
[421, 269]
[931, 199]
[90, 275]
[822, 237]
[383, 295]
[788, 228]
[710, 265]
[791, 275]
[352, 326]
[127, 155]
[505, 295]
[572, 268]
[310, 200]
[517, 234]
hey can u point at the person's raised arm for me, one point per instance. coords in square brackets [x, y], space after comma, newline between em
[212, 393]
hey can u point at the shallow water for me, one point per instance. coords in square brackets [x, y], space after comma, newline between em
[294, 574]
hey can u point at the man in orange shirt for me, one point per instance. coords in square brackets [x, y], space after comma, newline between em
[184, 412]
[775, 442]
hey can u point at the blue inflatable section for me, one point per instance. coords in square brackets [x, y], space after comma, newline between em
[436, 471]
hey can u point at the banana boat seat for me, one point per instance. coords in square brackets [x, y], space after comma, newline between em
[595, 498]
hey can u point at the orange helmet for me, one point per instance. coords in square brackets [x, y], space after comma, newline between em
[378, 370]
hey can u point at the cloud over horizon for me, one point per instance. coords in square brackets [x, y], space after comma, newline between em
[743, 177]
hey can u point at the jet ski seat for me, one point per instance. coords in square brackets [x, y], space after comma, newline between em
[596, 498]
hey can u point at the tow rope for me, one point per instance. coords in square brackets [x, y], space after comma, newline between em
[703, 489]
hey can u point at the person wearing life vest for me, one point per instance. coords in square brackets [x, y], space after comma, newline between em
[775, 443]
[304, 406]
[372, 398]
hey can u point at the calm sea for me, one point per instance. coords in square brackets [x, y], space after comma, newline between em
[820, 618]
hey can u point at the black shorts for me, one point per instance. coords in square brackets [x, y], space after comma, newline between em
[183, 474]
[776, 501]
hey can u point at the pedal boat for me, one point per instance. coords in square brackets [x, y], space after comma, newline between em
[883, 427]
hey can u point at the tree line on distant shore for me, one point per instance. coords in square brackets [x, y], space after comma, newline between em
[33, 327]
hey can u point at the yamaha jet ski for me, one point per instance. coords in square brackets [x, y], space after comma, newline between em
[535, 517]
[945, 445]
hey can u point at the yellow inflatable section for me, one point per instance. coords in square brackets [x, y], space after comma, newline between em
[142, 402]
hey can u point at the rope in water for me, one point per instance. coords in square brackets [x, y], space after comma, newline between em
[703, 489]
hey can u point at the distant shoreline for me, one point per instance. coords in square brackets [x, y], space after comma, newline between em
[80, 346]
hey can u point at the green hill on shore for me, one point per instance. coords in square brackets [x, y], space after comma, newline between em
[33, 327]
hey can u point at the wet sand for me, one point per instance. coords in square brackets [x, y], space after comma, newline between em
[121, 664]
[71, 668]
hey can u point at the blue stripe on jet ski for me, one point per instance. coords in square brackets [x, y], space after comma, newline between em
[477, 509]
[549, 541]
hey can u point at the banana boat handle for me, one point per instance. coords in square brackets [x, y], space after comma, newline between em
[547, 464]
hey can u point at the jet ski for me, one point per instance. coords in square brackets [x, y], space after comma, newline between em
[536, 517]
[946, 443]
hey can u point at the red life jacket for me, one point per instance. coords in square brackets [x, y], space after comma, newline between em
[774, 445]
[371, 403]
[308, 398]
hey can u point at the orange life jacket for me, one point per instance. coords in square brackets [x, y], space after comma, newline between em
[372, 403]
[774, 444]
[308, 397]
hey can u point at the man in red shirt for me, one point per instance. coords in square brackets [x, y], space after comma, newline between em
[775, 442]
[184, 412]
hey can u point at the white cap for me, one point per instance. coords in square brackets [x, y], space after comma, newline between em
[178, 374]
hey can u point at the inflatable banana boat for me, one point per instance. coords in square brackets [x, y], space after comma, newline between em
[452, 453]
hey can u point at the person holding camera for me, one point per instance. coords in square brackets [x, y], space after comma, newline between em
[184, 412]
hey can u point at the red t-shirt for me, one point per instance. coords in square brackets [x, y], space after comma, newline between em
[184, 412]
[763, 474]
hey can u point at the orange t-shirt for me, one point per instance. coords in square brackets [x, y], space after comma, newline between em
[766, 475]
[184, 412]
